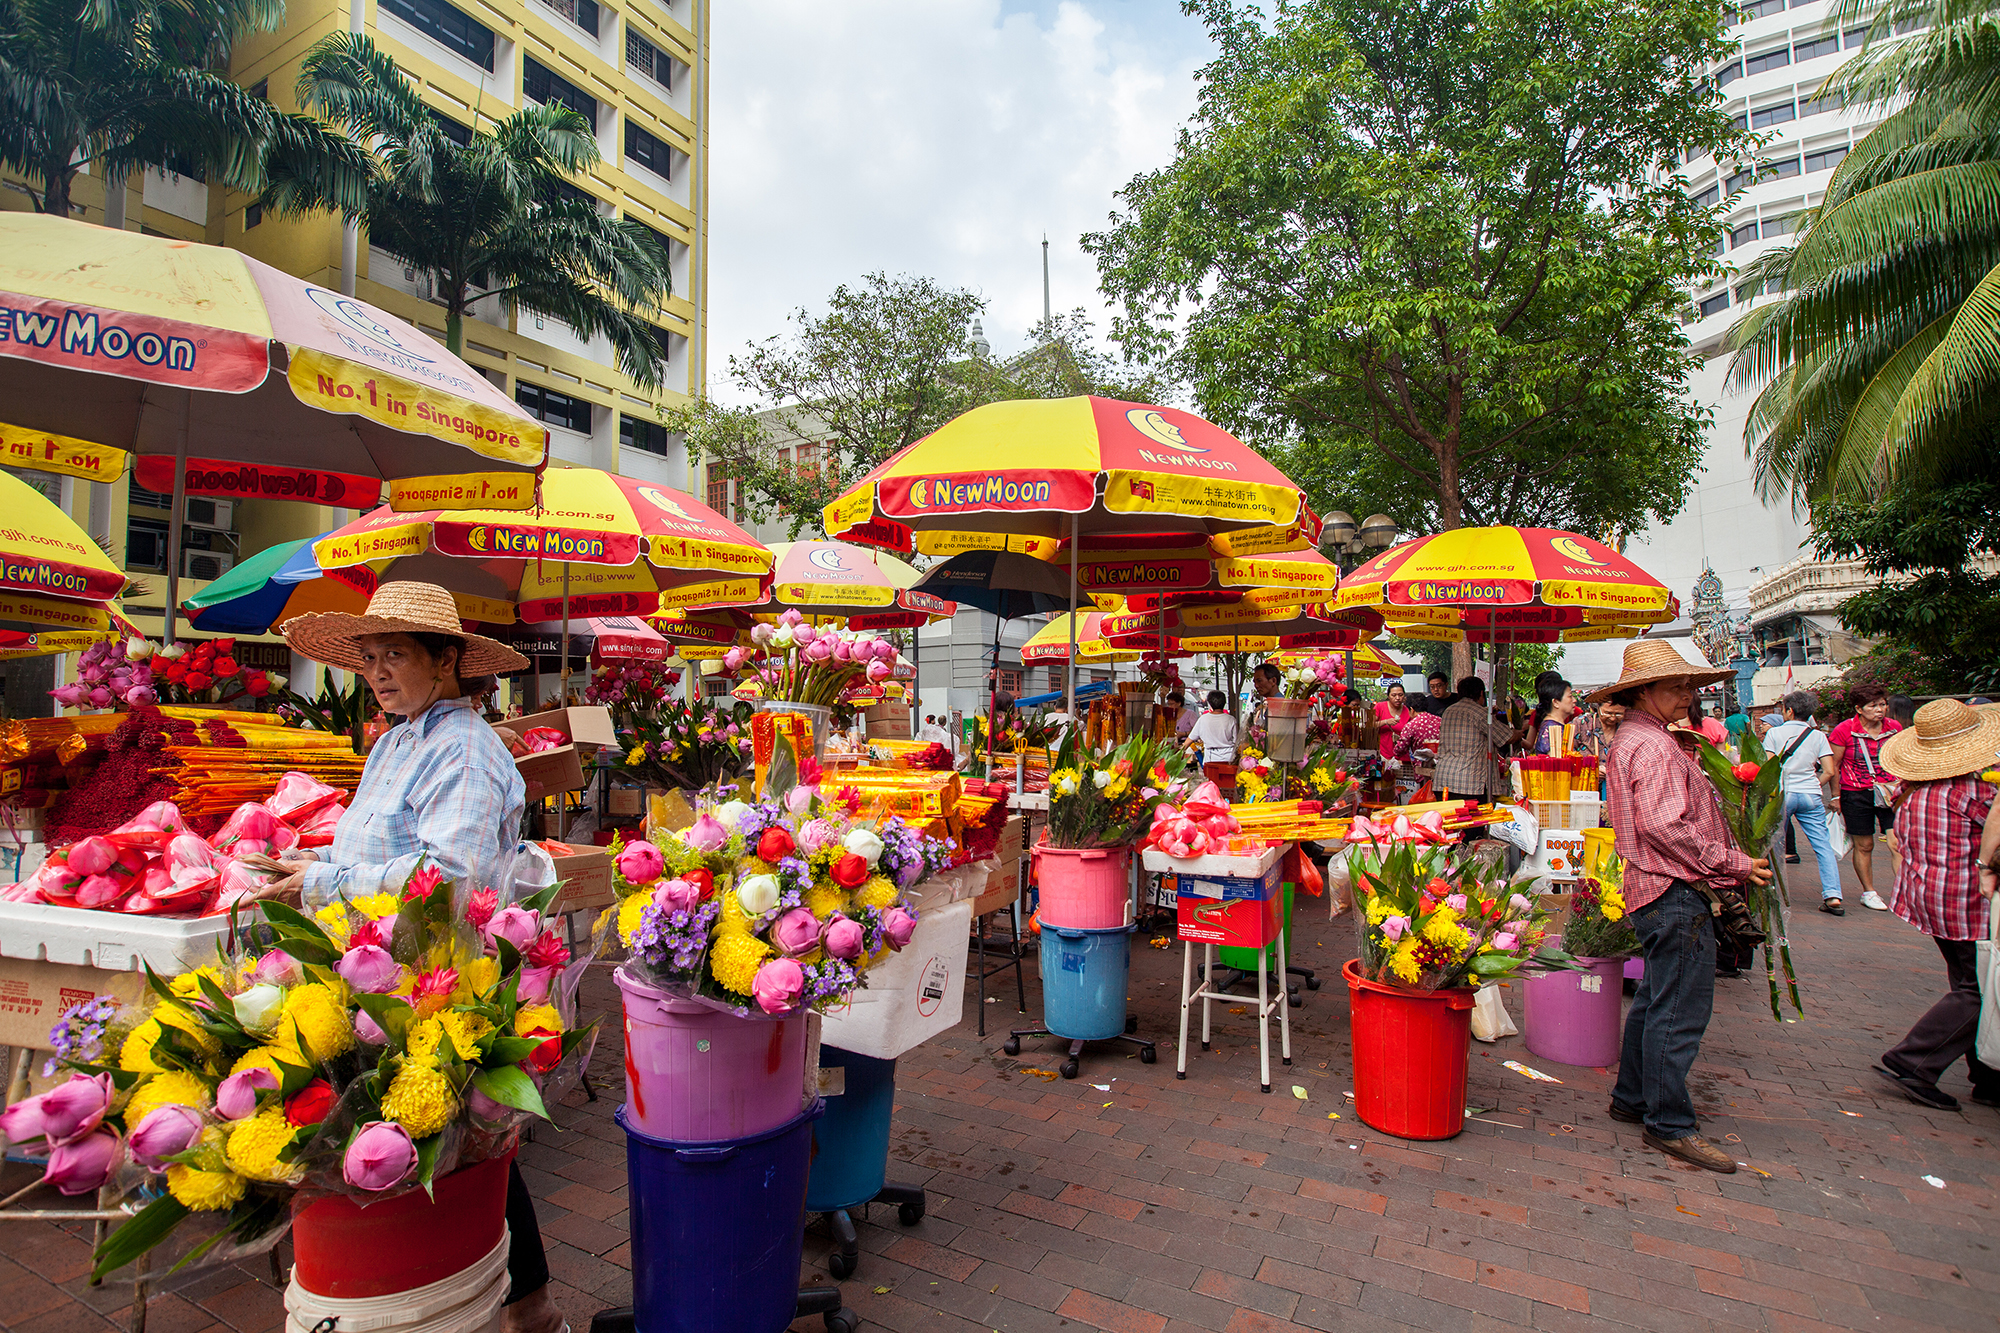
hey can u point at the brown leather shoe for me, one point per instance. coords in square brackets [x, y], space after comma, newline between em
[1695, 1149]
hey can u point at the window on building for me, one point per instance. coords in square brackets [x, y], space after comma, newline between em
[647, 151]
[649, 60]
[1729, 74]
[1741, 120]
[809, 458]
[452, 130]
[261, 90]
[1773, 115]
[1813, 106]
[553, 406]
[583, 13]
[1709, 198]
[1826, 159]
[1911, 25]
[649, 436]
[717, 494]
[1715, 304]
[1008, 681]
[1757, 9]
[1737, 180]
[1783, 226]
[1824, 46]
[1766, 60]
[1746, 292]
[1855, 37]
[253, 216]
[1743, 235]
[448, 26]
[146, 545]
[1778, 170]
[575, 194]
[546, 86]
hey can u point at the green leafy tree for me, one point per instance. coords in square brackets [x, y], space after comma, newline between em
[496, 217]
[1438, 235]
[1880, 362]
[123, 87]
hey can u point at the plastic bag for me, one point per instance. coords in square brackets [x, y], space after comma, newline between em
[1987, 968]
[1522, 831]
[299, 796]
[1836, 829]
[1490, 1019]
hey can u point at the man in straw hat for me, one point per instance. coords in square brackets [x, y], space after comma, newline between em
[1949, 827]
[1672, 837]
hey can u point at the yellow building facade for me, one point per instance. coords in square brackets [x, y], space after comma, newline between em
[638, 69]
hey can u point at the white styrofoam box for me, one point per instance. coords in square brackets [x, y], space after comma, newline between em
[911, 996]
[1230, 867]
[112, 941]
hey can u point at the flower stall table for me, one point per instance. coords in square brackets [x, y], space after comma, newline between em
[1231, 900]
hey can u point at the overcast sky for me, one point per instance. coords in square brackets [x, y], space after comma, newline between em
[936, 137]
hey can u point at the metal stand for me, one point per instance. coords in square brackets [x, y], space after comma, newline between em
[1071, 1066]
[1012, 957]
[1207, 994]
[822, 1301]
[909, 1201]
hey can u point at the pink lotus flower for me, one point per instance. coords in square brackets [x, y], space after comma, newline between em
[369, 968]
[278, 968]
[368, 1030]
[533, 987]
[844, 938]
[898, 924]
[733, 659]
[70, 696]
[381, 1157]
[761, 635]
[796, 931]
[878, 671]
[641, 863]
[804, 635]
[676, 895]
[819, 650]
[67, 1111]
[141, 696]
[516, 925]
[707, 834]
[83, 1166]
[167, 1131]
[791, 617]
[237, 1097]
[843, 651]
[778, 985]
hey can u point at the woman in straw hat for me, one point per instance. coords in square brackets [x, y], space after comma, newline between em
[442, 787]
[1949, 827]
[1671, 834]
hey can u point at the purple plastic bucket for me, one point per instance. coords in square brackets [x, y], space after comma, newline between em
[1573, 1018]
[695, 1074]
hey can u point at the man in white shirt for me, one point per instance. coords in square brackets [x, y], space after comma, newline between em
[1215, 732]
[1806, 772]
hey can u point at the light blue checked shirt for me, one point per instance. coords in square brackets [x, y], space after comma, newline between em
[441, 784]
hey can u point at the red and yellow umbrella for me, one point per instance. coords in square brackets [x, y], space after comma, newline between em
[1020, 474]
[599, 545]
[1138, 574]
[1368, 660]
[1248, 625]
[1051, 644]
[1513, 584]
[837, 581]
[53, 578]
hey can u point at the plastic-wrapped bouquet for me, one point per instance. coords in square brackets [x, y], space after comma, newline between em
[1597, 927]
[783, 903]
[668, 741]
[1108, 799]
[365, 1050]
[799, 663]
[1302, 680]
[110, 674]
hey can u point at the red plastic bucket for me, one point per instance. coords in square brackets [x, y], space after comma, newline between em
[1084, 888]
[1409, 1056]
[345, 1251]
[697, 1074]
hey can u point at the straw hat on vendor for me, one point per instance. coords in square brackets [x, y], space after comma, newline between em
[440, 789]
[1949, 740]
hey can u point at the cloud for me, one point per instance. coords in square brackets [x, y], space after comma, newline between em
[937, 137]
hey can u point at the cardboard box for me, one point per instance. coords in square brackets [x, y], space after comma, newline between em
[889, 721]
[1009, 847]
[625, 801]
[586, 878]
[561, 769]
[1251, 923]
[34, 993]
[1003, 885]
[910, 996]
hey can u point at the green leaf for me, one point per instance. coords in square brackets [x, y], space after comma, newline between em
[291, 1077]
[146, 1229]
[392, 1013]
[297, 922]
[508, 1050]
[511, 1087]
[159, 987]
[542, 901]
[427, 1160]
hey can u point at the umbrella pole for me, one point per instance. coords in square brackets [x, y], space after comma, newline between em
[993, 695]
[564, 677]
[174, 516]
[1069, 667]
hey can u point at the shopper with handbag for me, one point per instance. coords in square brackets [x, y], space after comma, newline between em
[1950, 825]
[1679, 862]
[1867, 795]
[1809, 768]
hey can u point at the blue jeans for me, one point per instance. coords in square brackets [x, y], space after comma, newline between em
[1810, 811]
[1676, 997]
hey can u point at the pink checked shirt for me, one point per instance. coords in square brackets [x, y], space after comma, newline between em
[1665, 810]
[1938, 824]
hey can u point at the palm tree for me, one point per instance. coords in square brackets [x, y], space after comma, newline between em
[492, 217]
[122, 87]
[1882, 358]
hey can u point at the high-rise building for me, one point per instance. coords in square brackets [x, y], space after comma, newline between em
[1771, 86]
[636, 69]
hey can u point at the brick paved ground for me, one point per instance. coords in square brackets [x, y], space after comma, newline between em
[1161, 1205]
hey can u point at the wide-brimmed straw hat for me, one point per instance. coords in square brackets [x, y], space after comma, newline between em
[397, 608]
[1949, 738]
[1649, 660]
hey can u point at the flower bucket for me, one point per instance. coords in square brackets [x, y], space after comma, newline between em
[819, 715]
[695, 1073]
[1409, 1056]
[346, 1252]
[1084, 888]
[1288, 720]
[1085, 974]
[1574, 1018]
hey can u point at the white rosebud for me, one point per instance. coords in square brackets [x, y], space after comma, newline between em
[258, 1008]
[758, 894]
[730, 813]
[864, 844]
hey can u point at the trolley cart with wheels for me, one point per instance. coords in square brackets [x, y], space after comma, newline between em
[1085, 974]
[850, 1161]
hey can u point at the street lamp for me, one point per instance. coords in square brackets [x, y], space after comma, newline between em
[1378, 532]
[1349, 543]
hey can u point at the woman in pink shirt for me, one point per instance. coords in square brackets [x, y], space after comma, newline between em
[1857, 749]
[1390, 717]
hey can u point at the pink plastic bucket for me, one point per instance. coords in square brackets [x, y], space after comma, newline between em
[1574, 1018]
[1083, 888]
[695, 1074]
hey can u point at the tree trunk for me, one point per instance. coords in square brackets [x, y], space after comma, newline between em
[56, 178]
[454, 330]
[1451, 515]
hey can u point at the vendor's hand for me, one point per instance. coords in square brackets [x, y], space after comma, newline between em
[1760, 870]
[286, 890]
[1988, 879]
[512, 740]
[301, 856]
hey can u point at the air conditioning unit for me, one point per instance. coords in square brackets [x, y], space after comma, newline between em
[205, 565]
[213, 514]
[420, 284]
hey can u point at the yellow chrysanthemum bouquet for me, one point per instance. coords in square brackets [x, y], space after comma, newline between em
[1432, 917]
[1597, 927]
[370, 1047]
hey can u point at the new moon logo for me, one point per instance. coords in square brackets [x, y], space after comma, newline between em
[825, 557]
[665, 503]
[1155, 427]
[1571, 548]
[357, 317]
[476, 539]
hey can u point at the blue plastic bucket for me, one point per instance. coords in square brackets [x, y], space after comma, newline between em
[851, 1144]
[717, 1229]
[1084, 979]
